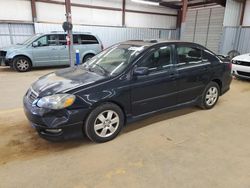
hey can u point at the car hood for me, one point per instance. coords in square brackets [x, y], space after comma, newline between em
[64, 80]
[12, 47]
[243, 57]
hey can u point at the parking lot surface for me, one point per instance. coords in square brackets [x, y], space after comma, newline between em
[184, 148]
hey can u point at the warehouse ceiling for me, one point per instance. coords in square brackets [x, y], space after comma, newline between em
[176, 4]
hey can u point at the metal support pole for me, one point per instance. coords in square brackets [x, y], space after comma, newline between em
[70, 35]
[183, 17]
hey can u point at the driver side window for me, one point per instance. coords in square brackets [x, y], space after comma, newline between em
[43, 41]
[158, 60]
[47, 40]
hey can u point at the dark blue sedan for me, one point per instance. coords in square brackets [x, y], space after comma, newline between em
[125, 82]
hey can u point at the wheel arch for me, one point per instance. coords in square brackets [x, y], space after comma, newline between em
[88, 53]
[219, 82]
[22, 55]
[113, 102]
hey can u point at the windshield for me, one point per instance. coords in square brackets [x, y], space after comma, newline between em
[114, 60]
[29, 40]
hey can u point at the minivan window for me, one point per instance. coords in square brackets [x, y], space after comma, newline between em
[43, 41]
[114, 60]
[158, 60]
[47, 40]
[88, 39]
[188, 56]
[62, 40]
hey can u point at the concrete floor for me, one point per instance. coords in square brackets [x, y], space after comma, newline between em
[187, 148]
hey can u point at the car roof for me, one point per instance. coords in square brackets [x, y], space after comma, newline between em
[152, 42]
[62, 32]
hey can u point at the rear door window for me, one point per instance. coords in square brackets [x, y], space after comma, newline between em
[52, 40]
[76, 39]
[209, 57]
[62, 40]
[188, 56]
[88, 39]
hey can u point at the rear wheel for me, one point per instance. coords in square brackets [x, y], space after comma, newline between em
[87, 57]
[104, 123]
[210, 95]
[21, 64]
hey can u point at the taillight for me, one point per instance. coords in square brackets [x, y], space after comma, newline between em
[229, 66]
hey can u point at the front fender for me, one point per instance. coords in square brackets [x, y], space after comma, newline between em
[13, 54]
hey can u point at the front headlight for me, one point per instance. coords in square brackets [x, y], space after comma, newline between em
[56, 102]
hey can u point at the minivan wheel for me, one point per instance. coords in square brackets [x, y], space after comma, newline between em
[87, 57]
[104, 123]
[210, 95]
[22, 64]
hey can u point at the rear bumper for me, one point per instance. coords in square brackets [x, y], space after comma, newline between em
[55, 125]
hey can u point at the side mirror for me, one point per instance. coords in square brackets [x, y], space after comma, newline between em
[35, 44]
[141, 71]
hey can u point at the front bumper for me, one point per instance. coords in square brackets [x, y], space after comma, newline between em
[241, 71]
[5, 62]
[55, 124]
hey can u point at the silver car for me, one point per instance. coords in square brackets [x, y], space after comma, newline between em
[48, 49]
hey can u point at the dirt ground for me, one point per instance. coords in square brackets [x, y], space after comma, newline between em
[186, 148]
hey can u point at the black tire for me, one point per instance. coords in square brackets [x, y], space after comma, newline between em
[204, 102]
[22, 64]
[87, 57]
[93, 121]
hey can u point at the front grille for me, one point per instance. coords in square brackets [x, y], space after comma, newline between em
[32, 95]
[244, 73]
[242, 63]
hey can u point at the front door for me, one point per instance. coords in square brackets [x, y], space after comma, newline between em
[156, 90]
[45, 54]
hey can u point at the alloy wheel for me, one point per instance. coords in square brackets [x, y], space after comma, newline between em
[106, 123]
[211, 96]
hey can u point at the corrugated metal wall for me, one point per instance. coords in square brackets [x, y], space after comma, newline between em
[14, 33]
[236, 38]
[111, 35]
[204, 26]
[232, 13]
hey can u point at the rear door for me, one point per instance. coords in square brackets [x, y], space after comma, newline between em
[62, 50]
[156, 90]
[193, 72]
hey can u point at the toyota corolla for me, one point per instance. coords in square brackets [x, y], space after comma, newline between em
[125, 82]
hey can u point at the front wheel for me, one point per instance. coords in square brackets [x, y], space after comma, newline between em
[104, 123]
[210, 95]
[21, 64]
